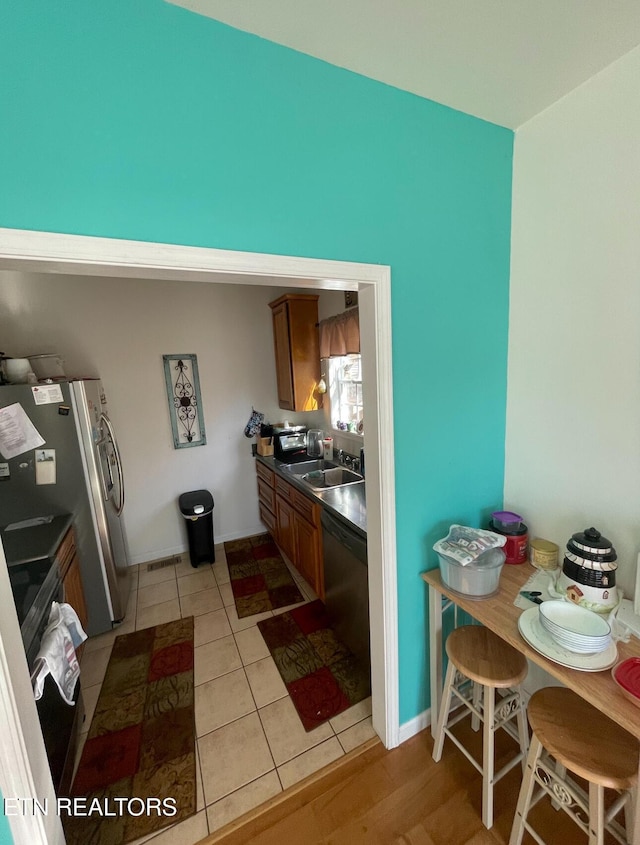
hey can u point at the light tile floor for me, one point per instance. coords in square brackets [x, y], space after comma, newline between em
[250, 742]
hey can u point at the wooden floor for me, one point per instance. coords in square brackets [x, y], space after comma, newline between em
[398, 797]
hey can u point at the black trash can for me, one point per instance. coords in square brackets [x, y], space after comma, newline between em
[197, 509]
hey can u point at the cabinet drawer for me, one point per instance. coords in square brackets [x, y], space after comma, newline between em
[66, 551]
[266, 474]
[266, 495]
[268, 519]
[309, 510]
[284, 489]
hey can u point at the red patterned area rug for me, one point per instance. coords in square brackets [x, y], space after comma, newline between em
[138, 768]
[321, 674]
[259, 576]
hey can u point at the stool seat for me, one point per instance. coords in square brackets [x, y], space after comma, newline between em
[582, 739]
[484, 676]
[570, 737]
[485, 658]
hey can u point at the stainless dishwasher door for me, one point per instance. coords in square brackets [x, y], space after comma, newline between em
[346, 585]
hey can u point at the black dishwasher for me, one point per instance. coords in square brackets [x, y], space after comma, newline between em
[35, 585]
[346, 584]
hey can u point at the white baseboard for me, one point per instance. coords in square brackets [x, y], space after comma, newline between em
[415, 725]
[218, 540]
[156, 554]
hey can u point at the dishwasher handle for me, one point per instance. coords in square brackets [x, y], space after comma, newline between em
[348, 538]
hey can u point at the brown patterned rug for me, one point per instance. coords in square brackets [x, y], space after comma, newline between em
[137, 772]
[322, 676]
[259, 576]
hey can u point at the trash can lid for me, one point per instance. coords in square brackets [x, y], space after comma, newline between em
[196, 503]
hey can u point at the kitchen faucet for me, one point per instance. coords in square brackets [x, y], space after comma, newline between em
[349, 460]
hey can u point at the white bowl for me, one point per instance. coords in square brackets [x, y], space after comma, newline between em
[559, 631]
[17, 370]
[575, 628]
[574, 619]
[49, 365]
[581, 648]
[477, 580]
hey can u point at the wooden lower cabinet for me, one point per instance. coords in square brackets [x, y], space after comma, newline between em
[269, 519]
[308, 544]
[72, 589]
[284, 521]
[293, 520]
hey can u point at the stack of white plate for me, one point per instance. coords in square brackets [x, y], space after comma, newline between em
[575, 628]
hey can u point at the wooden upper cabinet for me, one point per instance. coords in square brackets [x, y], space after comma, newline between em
[297, 351]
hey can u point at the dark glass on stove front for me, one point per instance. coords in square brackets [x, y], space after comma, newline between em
[26, 581]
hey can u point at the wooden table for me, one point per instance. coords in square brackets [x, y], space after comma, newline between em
[499, 614]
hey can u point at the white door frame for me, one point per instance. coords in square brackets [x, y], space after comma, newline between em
[24, 770]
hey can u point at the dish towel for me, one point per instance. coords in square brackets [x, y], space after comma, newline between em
[57, 655]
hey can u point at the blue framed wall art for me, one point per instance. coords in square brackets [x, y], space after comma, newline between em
[185, 404]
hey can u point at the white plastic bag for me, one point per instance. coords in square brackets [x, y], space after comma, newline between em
[465, 544]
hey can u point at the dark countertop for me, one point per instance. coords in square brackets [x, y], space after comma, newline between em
[25, 545]
[348, 502]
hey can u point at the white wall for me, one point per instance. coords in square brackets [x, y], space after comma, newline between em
[119, 330]
[573, 410]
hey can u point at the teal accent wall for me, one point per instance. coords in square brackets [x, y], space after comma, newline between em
[144, 121]
[5, 832]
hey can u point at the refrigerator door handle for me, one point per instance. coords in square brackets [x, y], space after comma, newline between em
[100, 467]
[119, 506]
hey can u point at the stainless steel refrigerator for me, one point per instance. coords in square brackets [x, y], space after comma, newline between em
[88, 483]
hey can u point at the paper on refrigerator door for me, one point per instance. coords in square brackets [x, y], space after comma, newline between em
[45, 466]
[47, 394]
[17, 433]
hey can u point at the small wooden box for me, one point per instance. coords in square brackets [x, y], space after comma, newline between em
[265, 446]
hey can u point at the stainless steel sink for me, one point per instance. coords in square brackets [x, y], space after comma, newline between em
[304, 467]
[321, 479]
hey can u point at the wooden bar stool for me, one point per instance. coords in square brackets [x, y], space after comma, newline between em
[480, 663]
[570, 734]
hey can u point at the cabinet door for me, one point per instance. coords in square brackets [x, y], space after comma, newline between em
[304, 345]
[297, 351]
[74, 592]
[309, 553]
[284, 520]
[284, 371]
[65, 552]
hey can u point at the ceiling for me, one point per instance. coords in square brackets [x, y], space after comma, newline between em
[501, 60]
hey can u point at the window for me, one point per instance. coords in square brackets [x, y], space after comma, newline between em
[345, 390]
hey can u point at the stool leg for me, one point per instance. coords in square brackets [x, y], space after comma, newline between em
[526, 792]
[477, 695]
[443, 717]
[631, 817]
[523, 731]
[488, 750]
[561, 772]
[596, 814]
